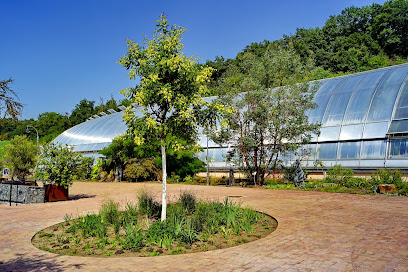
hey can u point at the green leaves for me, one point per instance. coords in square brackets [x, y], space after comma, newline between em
[20, 156]
[170, 88]
[59, 165]
[267, 123]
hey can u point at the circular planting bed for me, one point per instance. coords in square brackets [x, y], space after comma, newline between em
[191, 226]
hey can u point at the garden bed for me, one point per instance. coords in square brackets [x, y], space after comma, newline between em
[191, 226]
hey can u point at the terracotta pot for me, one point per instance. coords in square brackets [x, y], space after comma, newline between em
[55, 193]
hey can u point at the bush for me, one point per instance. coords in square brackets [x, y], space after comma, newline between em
[289, 173]
[85, 168]
[20, 156]
[144, 169]
[387, 176]
[390, 176]
[182, 164]
[59, 165]
[339, 175]
[96, 169]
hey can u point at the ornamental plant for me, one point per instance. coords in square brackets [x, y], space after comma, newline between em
[58, 165]
[20, 156]
[170, 93]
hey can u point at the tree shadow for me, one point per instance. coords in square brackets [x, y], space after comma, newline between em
[35, 263]
[80, 196]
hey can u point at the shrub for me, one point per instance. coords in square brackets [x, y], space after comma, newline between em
[20, 156]
[188, 179]
[85, 168]
[182, 163]
[390, 176]
[96, 170]
[174, 178]
[289, 173]
[59, 165]
[144, 169]
[387, 176]
[339, 175]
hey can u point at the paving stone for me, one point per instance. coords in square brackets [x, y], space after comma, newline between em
[317, 231]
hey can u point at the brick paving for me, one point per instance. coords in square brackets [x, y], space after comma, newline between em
[316, 232]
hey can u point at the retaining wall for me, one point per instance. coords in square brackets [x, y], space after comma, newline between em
[22, 193]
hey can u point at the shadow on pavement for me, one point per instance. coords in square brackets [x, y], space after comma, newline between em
[35, 263]
[80, 196]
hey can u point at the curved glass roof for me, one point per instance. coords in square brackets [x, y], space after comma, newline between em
[362, 106]
[93, 135]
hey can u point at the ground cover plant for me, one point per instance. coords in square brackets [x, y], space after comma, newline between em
[192, 225]
[341, 180]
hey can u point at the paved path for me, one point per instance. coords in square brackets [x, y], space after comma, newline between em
[316, 232]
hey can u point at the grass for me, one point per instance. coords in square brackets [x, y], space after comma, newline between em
[191, 226]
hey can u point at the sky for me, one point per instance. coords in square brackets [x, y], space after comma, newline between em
[62, 51]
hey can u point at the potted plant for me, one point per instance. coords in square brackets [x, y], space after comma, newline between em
[58, 167]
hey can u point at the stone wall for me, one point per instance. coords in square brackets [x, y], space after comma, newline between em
[22, 193]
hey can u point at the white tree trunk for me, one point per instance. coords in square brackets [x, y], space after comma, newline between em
[164, 195]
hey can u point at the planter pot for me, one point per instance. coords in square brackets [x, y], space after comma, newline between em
[55, 193]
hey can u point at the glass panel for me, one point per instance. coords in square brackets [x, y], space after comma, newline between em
[104, 123]
[361, 98]
[375, 130]
[308, 152]
[328, 151]
[329, 134]
[351, 132]
[202, 156]
[210, 154]
[384, 99]
[77, 148]
[399, 148]
[220, 154]
[373, 150]
[339, 101]
[322, 98]
[398, 126]
[98, 147]
[79, 136]
[402, 108]
[350, 150]
[119, 130]
[314, 137]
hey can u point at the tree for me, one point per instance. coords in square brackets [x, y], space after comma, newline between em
[170, 90]
[118, 152]
[83, 110]
[59, 165]
[8, 104]
[20, 156]
[50, 125]
[270, 119]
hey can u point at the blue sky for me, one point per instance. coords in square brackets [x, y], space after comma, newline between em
[59, 51]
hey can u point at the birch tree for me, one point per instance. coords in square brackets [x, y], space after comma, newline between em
[169, 91]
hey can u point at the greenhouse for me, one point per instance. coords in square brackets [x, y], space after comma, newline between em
[364, 119]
